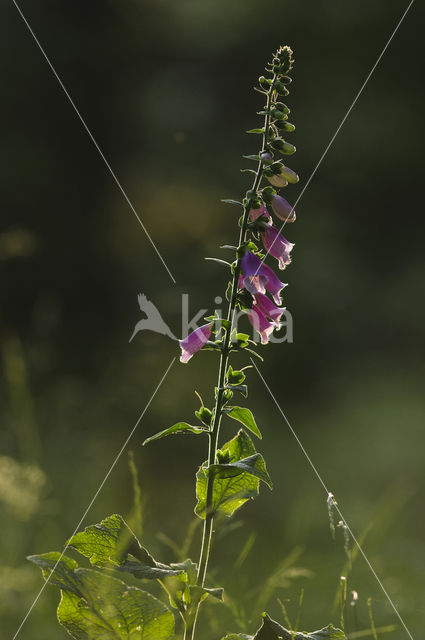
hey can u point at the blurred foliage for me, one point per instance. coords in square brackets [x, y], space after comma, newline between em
[166, 89]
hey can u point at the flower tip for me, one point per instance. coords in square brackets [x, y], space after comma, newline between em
[194, 342]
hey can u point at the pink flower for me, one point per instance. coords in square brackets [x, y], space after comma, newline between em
[260, 323]
[278, 246]
[282, 209]
[252, 277]
[254, 214]
[273, 285]
[258, 277]
[195, 341]
[264, 304]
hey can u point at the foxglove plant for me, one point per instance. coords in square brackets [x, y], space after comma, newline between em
[96, 604]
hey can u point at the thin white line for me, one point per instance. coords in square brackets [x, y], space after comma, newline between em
[94, 141]
[95, 495]
[344, 118]
[356, 542]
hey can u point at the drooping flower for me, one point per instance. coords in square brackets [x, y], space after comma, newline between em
[278, 246]
[253, 278]
[195, 341]
[254, 214]
[260, 323]
[273, 284]
[258, 277]
[282, 209]
[264, 304]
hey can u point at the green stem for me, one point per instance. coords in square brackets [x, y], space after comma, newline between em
[224, 359]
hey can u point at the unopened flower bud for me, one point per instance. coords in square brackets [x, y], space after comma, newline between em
[277, 181]
[282, 107]
[264, 82]
[284, 147]
[289, 175]
[282, 209]
[278, 115]
[281, 89]
[285, 126]
[266, 158]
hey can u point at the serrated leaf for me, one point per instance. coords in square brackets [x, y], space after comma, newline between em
[57, 569]
[229, 493]
[255, 465]
[110, 542]
[97, 606]
[245, 417]
[271, 630]
[179, 427]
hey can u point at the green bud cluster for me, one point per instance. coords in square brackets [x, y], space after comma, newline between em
[274, 84]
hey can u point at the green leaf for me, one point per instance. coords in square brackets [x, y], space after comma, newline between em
[242, 388]
[229, 201]
[228, 264]
[229, 493]
[271, 630]
[58, 571]
[96, 606]
[235, 377]
[229, 291]
[246, 418]
[110, 542]
[198, 594]
[189, 567]
[255, 465]
[180, 427]
[255, 131]
[252, 157]
[190, 594]
[254, 353]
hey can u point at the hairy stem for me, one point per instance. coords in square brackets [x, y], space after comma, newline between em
[224, 359]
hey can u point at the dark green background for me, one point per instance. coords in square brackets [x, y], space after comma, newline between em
[166, 88]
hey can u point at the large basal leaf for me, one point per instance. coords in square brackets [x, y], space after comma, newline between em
[271, 630]
[112, 542]
[245, 417]
[229, 493]
[180, 427]
[95, 606]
